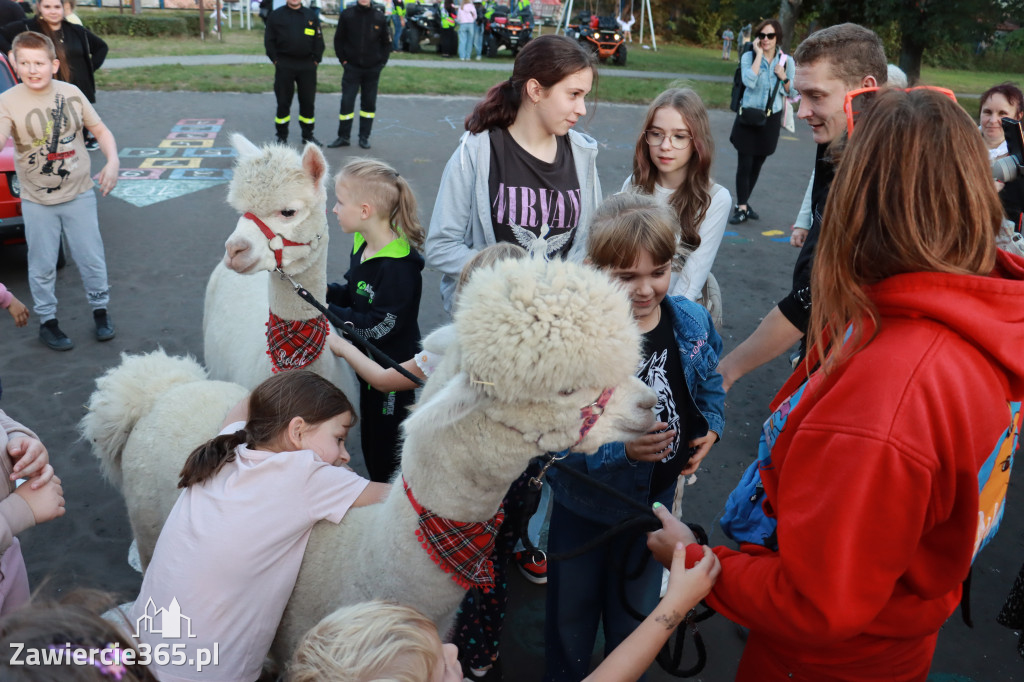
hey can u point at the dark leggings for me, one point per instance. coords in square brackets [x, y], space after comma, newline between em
[748, 167]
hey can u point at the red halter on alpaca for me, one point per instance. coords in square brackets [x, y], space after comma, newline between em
[269, 234]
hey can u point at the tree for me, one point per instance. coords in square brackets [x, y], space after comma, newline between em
[789, 13]
[925, 23]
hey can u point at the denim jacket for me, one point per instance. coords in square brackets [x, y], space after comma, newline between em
[699, 349]
[760, 86]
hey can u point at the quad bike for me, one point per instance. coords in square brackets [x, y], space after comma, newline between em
[602, 36]
[422, 22]
[506, 29]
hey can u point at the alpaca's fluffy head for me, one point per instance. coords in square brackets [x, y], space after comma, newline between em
[288, 192]
[532, 328]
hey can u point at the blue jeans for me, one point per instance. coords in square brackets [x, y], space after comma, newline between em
[584, 590]
[478, 40]
[466, 40]
[396, 23]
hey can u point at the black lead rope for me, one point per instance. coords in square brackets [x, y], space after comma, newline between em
[671, 655]
[346, 330]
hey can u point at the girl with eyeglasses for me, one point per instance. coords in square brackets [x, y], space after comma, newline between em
[768, 77]
[672, 163]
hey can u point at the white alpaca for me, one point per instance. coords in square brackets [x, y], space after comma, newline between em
[288, 194]
[535, 348]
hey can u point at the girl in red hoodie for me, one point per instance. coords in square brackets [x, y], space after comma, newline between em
[870, 459]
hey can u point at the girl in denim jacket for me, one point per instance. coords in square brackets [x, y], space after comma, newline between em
[635, 239]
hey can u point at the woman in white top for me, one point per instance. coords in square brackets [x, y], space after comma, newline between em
[673, 162]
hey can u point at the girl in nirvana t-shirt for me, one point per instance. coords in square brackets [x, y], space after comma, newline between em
[520, 172]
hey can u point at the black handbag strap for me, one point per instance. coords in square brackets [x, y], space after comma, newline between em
[771, 98]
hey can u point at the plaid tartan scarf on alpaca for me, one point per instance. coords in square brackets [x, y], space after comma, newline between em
[293, 344]
[459, 548]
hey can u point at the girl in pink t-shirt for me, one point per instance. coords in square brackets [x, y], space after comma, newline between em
[229, 553]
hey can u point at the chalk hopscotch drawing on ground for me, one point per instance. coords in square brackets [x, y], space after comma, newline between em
[185, 161]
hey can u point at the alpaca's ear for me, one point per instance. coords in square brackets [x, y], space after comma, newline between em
[314, 163]
[243, 146]
[456, 400]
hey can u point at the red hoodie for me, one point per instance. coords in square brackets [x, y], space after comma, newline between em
[873, 480]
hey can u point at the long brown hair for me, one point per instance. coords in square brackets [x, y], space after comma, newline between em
[691, 199]
[893, 209]
[548, 60]
[64, 69]
[382, 187]
[272, 405]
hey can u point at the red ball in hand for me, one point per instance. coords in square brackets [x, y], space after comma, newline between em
[694, 553]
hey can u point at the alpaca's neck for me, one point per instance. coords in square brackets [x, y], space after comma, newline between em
[452, 476]
[286, 304]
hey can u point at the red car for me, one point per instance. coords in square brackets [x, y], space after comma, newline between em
[12, 225]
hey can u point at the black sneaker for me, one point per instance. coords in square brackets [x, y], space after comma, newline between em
[92, 144]
[281, 139]
[104, 327]
[312, 140]
[738, 216]
[53, 337]
[364, 142]
[339, 142]
[751, 213]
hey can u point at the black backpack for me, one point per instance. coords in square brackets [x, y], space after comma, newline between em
[738, 88]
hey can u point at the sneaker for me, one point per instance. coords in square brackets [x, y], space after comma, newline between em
[738, 216]
[339, 142]
[364, 142]
[751, 213]
[92, 144]
[281, 139]
[533, 567]
[104, 327]
[312, 140]
[53, 337]
[478, 57]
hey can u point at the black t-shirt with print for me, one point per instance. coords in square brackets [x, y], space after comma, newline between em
[662, 370]
[531, 198]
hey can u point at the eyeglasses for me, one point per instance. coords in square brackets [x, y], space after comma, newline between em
[765, 36]
[858, 100]
[678, 141]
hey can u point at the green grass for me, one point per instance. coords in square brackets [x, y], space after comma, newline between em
[670, 58]
[256, 78]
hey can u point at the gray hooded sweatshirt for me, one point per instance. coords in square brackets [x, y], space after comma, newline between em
[461, 223]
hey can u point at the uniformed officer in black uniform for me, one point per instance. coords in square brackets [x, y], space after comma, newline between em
[295, 44]
[363, 44]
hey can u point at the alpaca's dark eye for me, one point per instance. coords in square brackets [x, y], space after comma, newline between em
[567, 391]
[288, 212]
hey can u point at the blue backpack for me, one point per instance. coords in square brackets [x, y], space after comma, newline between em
[748, 516]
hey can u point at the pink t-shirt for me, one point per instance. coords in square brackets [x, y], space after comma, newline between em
[227, 558]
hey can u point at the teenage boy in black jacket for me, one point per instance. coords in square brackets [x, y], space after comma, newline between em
[363, 45]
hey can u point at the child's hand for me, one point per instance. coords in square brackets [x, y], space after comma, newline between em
[18, 311]
[686, 587]
[662, 543]
[703, 446]
[798, 236]
[338, 344]
[31, 460]
[46, 503]
[653, 446]
[108, 176]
